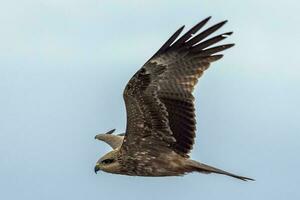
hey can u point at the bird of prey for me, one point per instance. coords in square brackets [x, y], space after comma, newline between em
[161, 123]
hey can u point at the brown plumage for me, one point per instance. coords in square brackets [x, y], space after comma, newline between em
[160, 109]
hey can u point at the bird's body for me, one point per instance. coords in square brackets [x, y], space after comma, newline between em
[161, 121]
[144, 164]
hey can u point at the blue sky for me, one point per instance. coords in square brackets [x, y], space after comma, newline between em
[63, 68]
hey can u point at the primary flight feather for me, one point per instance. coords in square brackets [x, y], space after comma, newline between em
[160, 109]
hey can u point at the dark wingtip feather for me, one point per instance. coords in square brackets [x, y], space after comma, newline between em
[197, 44]
[167, 44]
[216, 57]
[204, 34]
[207, 43]
[222, 22]
[228, 33]
[216, 49]
[111, 131]
[190, 33]
[227, 46]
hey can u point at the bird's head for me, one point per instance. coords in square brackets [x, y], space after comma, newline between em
[109, 162]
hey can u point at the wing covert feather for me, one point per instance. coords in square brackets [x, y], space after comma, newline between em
[158, 98]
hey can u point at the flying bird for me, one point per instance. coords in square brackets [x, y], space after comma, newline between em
[161, 122]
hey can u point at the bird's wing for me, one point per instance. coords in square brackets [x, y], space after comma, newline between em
[115, 141]
[158, 98]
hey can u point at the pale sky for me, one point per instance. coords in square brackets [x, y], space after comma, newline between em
[63, 68]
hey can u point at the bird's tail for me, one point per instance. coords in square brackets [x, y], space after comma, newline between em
[203, 168]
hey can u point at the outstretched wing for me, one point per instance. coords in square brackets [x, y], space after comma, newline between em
[115, 141]
[158, 98]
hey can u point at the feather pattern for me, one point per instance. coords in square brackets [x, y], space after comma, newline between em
[158, 98]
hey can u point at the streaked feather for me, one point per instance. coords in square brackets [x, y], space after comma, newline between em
[159, 101]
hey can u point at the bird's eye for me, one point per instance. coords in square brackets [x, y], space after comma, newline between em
[107, 161]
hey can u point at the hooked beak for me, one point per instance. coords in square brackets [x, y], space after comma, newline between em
[97, 168]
